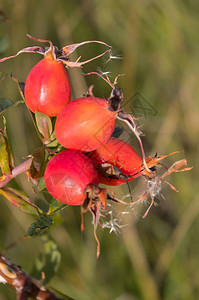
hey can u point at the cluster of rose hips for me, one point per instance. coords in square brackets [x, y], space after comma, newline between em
[84, 127]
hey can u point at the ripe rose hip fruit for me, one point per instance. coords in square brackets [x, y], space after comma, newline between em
[85, 124]
[116, 160]
[47, 87]
[67, 176]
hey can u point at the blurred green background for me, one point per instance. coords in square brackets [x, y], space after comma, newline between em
[157, 258]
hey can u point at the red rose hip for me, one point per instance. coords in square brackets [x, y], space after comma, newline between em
[85, 124]
[114, 159]
[47, 87]
[67, 176]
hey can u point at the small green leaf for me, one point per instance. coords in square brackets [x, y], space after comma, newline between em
[6, 155]
[40, 185]
[40, 226]
[48, 262]
[53, 143]
[19, 199]
[55, 207]
[4, 104]
[44, 126]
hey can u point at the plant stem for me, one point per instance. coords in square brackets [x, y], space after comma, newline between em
[22, 168]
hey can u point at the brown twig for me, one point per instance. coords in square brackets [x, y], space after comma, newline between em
[23, 283]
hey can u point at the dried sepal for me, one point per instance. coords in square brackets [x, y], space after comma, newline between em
[154, 181]
[77, 63]
[33, 49]
[95, 198]
[71, 48]
[176, 166]
[96, 201]
[155, 162]
[62, 55]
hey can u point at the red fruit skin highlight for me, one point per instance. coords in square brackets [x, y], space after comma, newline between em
[47, 87]
[120, 154]
[85, 124]
[67, 175]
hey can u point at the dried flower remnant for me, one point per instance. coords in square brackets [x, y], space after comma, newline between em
[56, 54]
[154, 181]
[96, 202]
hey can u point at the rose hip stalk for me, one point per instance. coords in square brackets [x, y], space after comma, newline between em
[47, 88]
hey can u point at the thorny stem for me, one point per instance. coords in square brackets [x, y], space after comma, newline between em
[22, 168]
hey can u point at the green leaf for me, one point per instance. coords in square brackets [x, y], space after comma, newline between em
[40, 185]
[4, 43]
[4, 104]
[53, 143]
[40, 226]
[6, 155]
[44, 126]
[48, 262]
[55, 207]
[19, 199]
